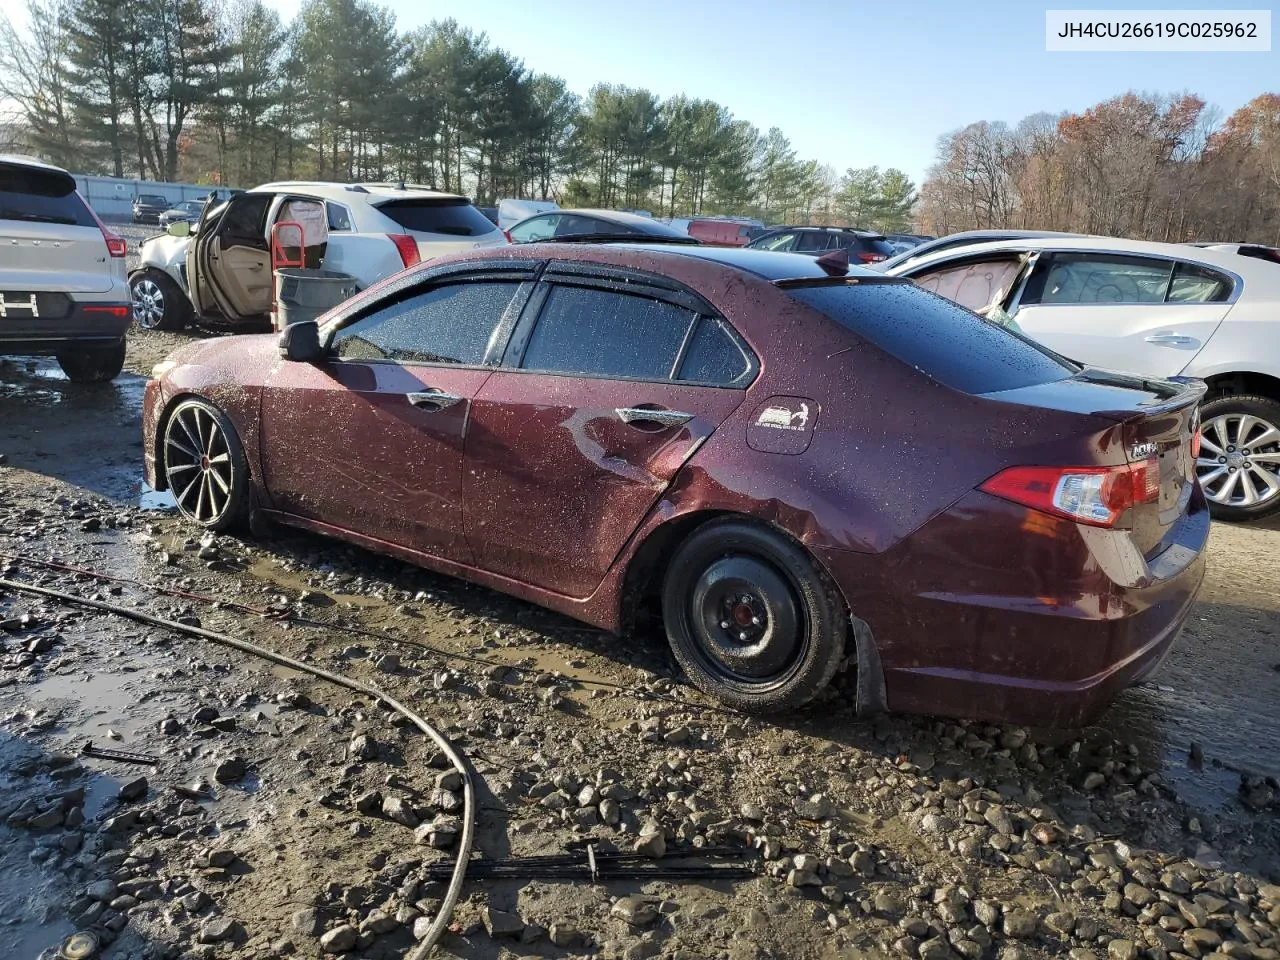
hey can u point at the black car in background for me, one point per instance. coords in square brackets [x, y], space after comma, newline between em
[187, 211]
[147, 207]
[594, 226]
[863, 245]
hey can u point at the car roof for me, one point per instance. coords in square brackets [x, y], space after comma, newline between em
[1245, 267]
[22, 160]
[855, 231]
[351, 192]
[632, 220]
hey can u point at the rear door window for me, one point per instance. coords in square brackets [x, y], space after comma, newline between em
[454, 218]
[451, 323]
[813, 241]
[37, 196]
[945, 342]
[601, 333]
[783, 242]
[1196, 284]
[1085, 278]
[716, 356]
[572, 225]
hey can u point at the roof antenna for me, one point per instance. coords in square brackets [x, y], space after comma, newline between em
[835, 263]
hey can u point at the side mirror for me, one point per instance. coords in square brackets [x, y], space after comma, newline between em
[179, 228]
[300, 342]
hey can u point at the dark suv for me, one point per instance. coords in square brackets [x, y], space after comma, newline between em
[863, 245]
[147, 207]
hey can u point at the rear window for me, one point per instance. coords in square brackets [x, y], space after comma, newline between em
[878, 245]
[151, 198]
[456, 218]
[38, 196]
[943, 341]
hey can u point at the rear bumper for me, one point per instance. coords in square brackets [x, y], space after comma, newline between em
[994, 612]
[88, 324]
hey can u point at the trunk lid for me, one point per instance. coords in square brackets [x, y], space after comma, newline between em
[1157, 421]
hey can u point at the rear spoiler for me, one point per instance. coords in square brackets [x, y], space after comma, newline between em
[792, 283]
[1176, 393]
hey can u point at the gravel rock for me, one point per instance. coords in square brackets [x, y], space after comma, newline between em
[1122, 950]
[1020, 924]
[306, 922]
[340, 939]
[499, 923]
[635, 910]
[399, 810]
[133, 790]
[652, 842]
[218, 930]
[231, 771]
[816, 807]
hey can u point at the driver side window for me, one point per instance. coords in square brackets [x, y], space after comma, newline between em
[539, 228]
[452, 323]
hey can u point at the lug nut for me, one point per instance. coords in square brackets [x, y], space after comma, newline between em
[743, 636]
[724, 624]
[755, 621]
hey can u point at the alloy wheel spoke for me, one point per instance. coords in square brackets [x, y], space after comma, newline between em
[1265, 457]
[191, 438]
[181, 468]
[1270, 435]
[1213, 477]
[1267, 481]
[1247, 488]
[214, 509]
[195, 457]
[1208, 463]
[204, 490]
[1219, 427]
[186, 492]
[221, 458]
[1210, 446]
[1229, 488]
[221, 482]
[1244, 427]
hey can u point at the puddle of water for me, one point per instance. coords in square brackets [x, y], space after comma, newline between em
[30, 894]
[149, 499]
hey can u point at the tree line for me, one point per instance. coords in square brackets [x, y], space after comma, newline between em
[1138, 165]
[222, 91]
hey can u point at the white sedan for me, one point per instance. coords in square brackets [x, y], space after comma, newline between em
[1153, 309]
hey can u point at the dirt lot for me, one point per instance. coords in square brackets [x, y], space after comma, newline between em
[284, 817]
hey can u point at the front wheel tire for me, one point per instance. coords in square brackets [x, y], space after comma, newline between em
[92, 364]
[1239, 463]
[752, 618]
[205, 466]
[158, 302]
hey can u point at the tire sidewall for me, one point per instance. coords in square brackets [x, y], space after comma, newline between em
[177, 310]
[1264, 408]
[819, 604]
[92, 364]
[238, 506]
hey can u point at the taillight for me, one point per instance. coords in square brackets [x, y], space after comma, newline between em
[1097, 496]
[1195, 444]
[407, 247]
[871, 257]
[116, 246]
[110, 311]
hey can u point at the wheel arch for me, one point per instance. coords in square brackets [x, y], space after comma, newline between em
[1243, 383]
[642, 584]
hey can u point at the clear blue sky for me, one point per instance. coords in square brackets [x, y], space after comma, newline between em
[852, 84]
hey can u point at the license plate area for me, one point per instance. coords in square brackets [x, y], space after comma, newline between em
[28, 305]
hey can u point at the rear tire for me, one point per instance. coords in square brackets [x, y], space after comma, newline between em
[92, 364]
[158, 302]
[1240, 457]
[751, 617]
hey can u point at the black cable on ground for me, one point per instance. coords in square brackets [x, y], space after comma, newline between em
[425, 947]
[290, 617]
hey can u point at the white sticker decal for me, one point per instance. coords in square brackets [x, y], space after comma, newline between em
[781, 418]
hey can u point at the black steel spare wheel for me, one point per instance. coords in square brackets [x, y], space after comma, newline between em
[204, 465]
[751, 617]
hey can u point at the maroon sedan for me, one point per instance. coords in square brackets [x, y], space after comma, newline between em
[802, 471]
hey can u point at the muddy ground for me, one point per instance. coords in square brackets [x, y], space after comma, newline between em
[286, 817]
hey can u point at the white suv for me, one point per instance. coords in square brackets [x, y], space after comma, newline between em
[1154, 309]
[62, 276]
[370, 231]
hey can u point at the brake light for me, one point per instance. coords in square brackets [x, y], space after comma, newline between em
[1195, 444]
[407, 248]
[116, 245]
[110, 311]
[1097, 496]
[871, 257]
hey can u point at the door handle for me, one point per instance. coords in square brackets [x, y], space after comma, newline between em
[667, 418]
[432, 400]
[1172, 340]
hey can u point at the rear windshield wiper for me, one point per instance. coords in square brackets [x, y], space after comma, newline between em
[35, 217]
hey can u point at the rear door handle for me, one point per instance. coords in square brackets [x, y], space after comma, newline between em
[1172, 340]
[667, 418]
[432, 400]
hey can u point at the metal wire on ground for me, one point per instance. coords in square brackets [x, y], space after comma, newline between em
[425, 947]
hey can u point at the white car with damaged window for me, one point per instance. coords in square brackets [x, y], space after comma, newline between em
[1155, 309]
[220, 268]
